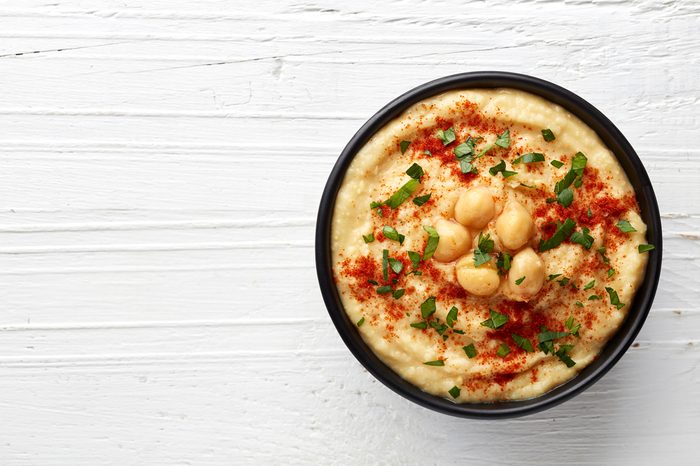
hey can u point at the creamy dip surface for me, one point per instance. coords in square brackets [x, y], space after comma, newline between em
[481, 257]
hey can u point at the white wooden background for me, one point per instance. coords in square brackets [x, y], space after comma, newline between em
[160, 168]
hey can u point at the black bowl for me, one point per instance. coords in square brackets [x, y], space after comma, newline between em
[617, 345]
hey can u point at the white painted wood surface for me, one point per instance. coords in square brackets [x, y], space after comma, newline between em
[160, 168]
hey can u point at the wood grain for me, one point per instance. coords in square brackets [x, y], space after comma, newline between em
[161, 165]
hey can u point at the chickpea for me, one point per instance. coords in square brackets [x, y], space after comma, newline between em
[455, 240]
[475, 208]
[528, 264]
[479, 281]
[514, 226]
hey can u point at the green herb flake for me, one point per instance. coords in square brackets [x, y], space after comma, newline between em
[437, 362]
[441, 328]
[582, 237]
[470, 350]
[563, 355]
[398, 293]
[611, 272]
[385, 264]
[483, 250]
[503, 139]
[605, 258]
[614, 298]
[420, 325]
[562, 232]
[432, 244]
[404, 192]
[404, 145]
[594, 297]
[565, 197]
[548, 135]
[392, 234]
[503, 350]
[396, 265]
[579, 303]
[503, 262]
[427, 308]
[427, 152]
[557, 163]
[368, 238]
[454, 392]
[530, 157]
[522, 342]
[553, 276]
[447, 136]
[564, 281]
[578, 164]
[625, 226]
[571, 325]
[415, 259]
[451, 317]
[589, 285]
[496, 321]
[550, 335]
[360, 322]
[420, 200]
[501, 168]
[642, 248]
[464, 149]
[373, 282]
[415, 171]
[519, 280]
[384, 289]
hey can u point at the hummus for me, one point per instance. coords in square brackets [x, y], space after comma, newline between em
[487, 244]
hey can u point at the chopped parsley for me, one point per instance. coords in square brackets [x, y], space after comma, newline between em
[428, 153]
[465, 155]
[415, 171]
[431, 245]
[360, 322]
[420, 200]
[470, 350]
[530, 157]
[625, 226]
[384, 289]
[440, 328]
[575, 174]
[503, 139]
[404, 145]
[579, 303]
[563, 354]
[428, 307]
[503, 350]
[404, 192]
[396, 265]
[594, 297]
[563, 231]
[553, 276]
[519, 280]
[557, 163]
[548, 135]
[421, 325]
[565, 197]
[614, 298]
[454, 391]
[398, 293]
[451, 317]
[497, 320]
[501, 168]
[368, 238]
[447, 136]
[392, 234]
[415, 259]
[611, 272]
[589, 285]
[605, 258]
[437, 362]
[523, 343]
[503, 262]
[642, 248]
[582, 237]
[483, 250]
[572, 326]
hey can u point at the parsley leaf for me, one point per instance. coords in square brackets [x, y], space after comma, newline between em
[431, 245]
[420, 200]
[503, 350]
[572, 326]
[562, 232]
[455, 391]
[415, 171]
[557, 163]
[421, 325]
[625, 226]
[427, 308]
[368, 238]
[404, 145]
[447, 136]
[398, 293]
[501, 168]
[392, 234]
[548, 135]
[530, 157]
[565, 197]
[404, 192]
[563, 355]
[496, 321]
[523, 343]
[589, 285]
[483, 250]
[438, 362]
[396, 265]
[503, 139]
[605, 258]
[519, 280]
[642, 248]
[384, 289]
[614, 298]
[360, 322]
[503, 262]
[594, 297]
[451, 317]
[415, 259]
[470, 350]
[582, 237]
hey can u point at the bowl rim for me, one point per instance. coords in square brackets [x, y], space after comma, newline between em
[614, 348]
